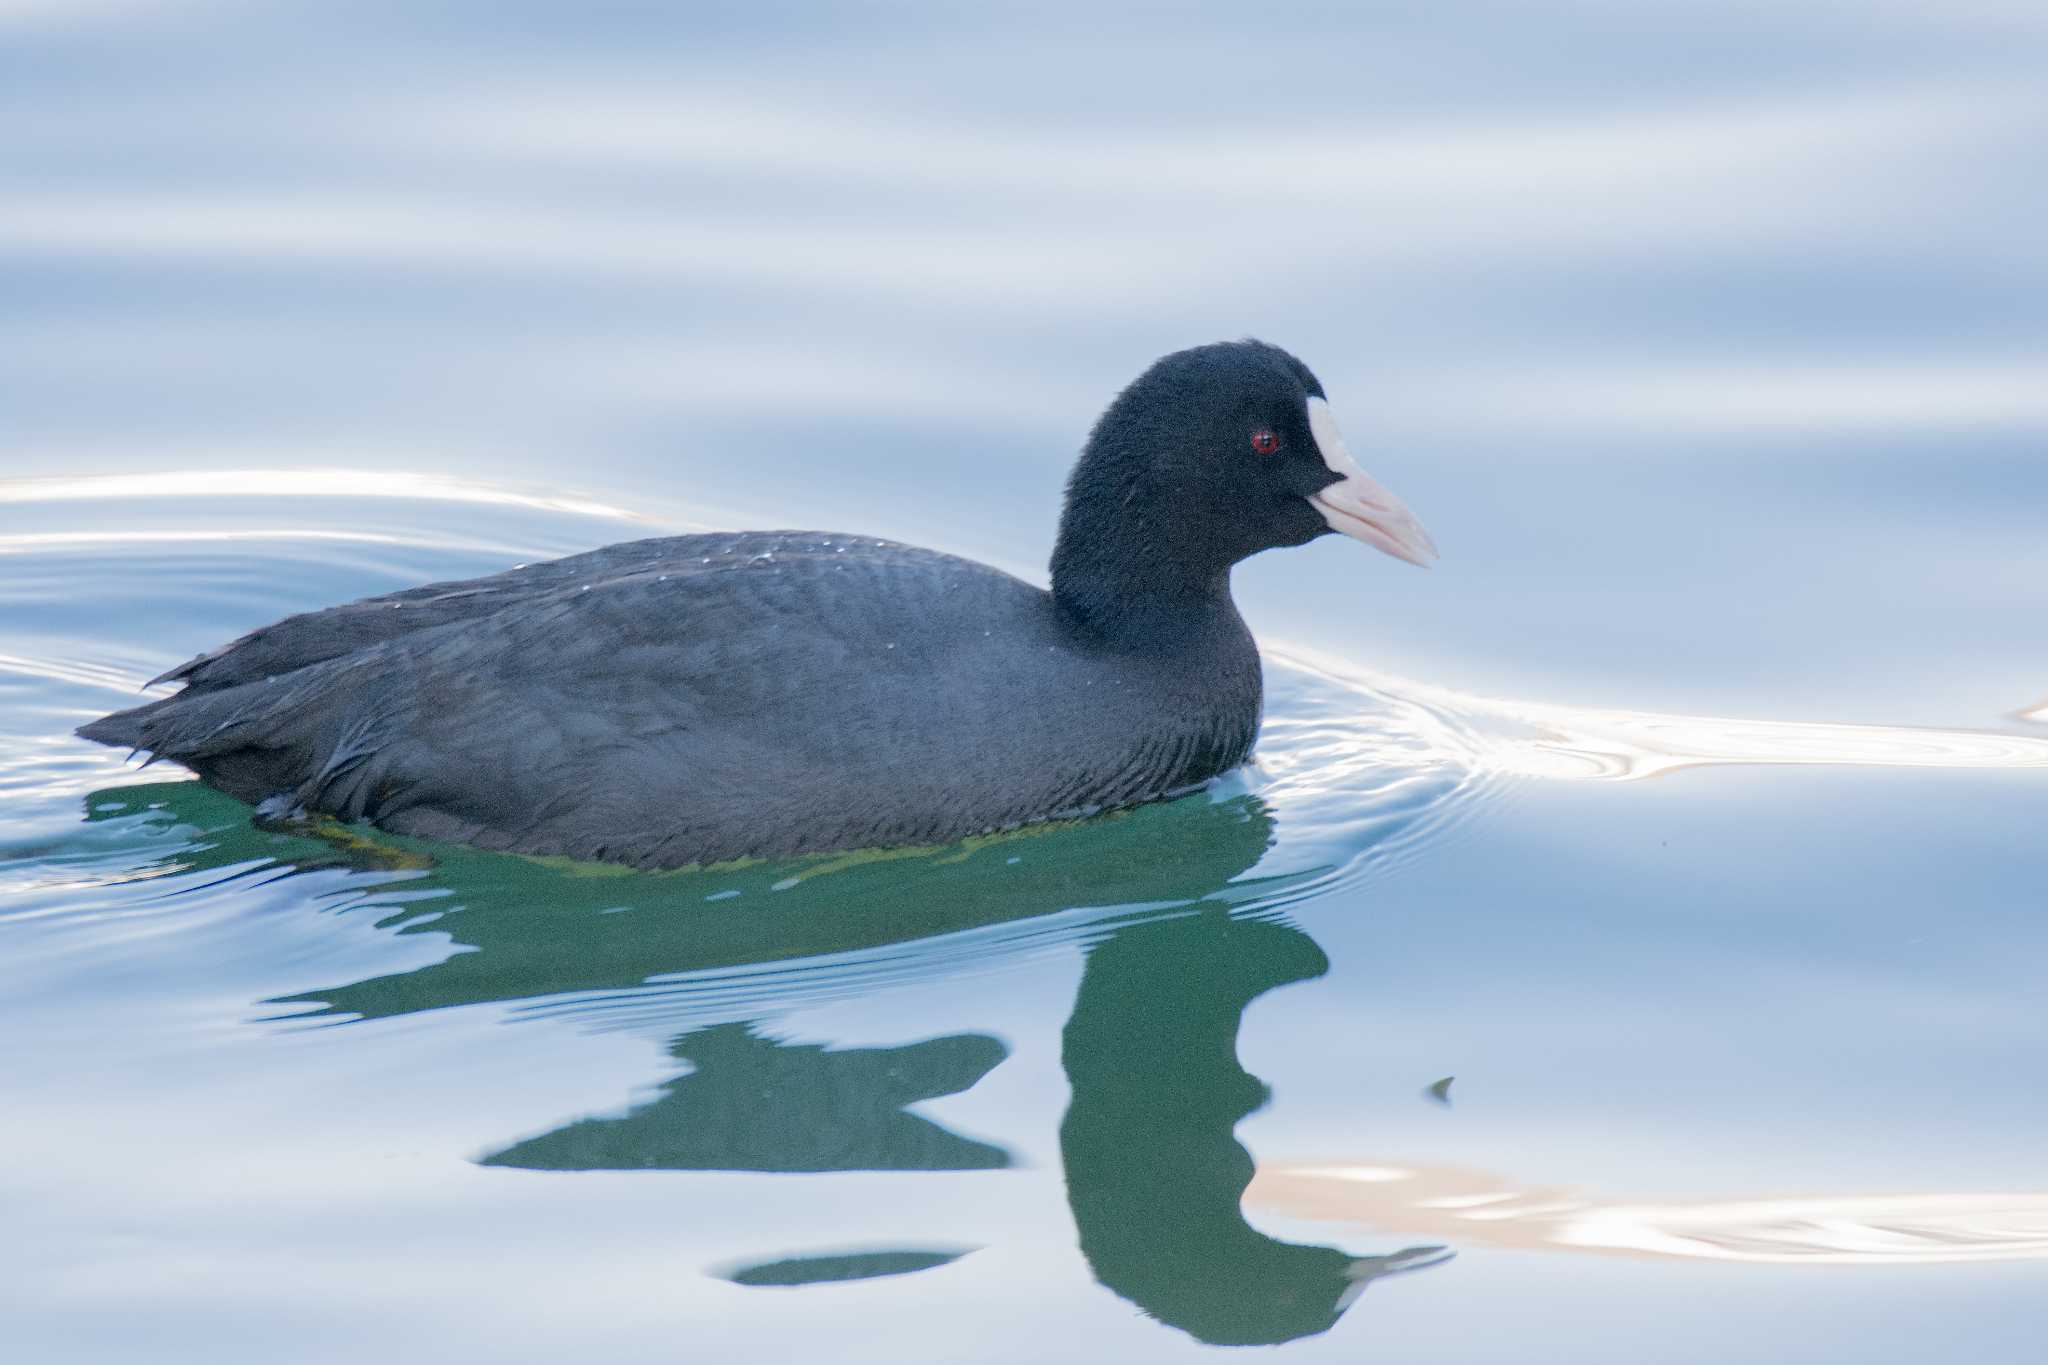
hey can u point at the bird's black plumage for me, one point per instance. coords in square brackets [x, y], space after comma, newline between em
[700, 698]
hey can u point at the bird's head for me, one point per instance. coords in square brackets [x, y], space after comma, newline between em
[1216, 453]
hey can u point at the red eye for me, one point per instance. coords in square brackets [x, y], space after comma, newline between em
[1264, 441]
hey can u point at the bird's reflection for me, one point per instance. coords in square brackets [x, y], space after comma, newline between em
[755, 1104]
[1153, 1170]
[537, 930]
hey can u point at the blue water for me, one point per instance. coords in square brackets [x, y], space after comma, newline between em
[1686, 816]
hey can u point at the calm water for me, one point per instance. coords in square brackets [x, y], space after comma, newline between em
[1687, 818]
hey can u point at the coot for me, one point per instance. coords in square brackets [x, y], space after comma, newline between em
[703, 698]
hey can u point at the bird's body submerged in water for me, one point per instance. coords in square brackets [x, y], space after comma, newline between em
[701, 698]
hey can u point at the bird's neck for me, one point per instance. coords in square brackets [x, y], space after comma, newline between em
[1137, 565]
[1146, 605]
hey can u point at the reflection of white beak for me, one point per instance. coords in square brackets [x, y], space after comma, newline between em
[1358, 505]
[1364, 1271]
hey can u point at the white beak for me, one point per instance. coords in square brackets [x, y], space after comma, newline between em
[1357, 504]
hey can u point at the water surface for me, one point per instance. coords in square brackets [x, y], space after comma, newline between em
[1132, 1085]
[1686, 819]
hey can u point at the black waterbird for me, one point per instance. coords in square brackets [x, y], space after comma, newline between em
[701, 698]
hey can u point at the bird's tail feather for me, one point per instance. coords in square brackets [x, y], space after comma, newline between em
[244, 739]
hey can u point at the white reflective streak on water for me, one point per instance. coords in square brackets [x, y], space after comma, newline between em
[297, 483]
[1545, 739]
[1474, 1208]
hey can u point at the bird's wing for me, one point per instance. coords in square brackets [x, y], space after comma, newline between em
[330, 633]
